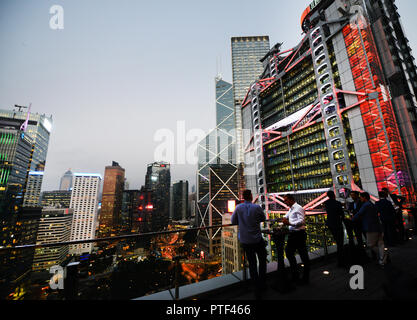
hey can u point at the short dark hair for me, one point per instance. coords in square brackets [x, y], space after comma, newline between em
[355, 193]
[331, 194]
[289, 197]
[247, 195]
[385, 190]
[366, 195]
[382, 194]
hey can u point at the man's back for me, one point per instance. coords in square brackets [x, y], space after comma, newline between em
[386, 210]
[335, 213]
[369, 213]
[248, 217]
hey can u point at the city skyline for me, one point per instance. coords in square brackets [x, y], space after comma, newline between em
[94, 67]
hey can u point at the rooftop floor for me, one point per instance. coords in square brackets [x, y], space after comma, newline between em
[398, 280]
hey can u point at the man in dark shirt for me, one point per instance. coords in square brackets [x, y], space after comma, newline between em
[387, 214]
[248, 217]
[335, 214]
[354, 227]
[372, 226]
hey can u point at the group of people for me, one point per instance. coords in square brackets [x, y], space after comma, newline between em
[378, 223]
[249, 216]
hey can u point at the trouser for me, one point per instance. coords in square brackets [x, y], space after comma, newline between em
[375, 241]
[252, 251]
[390, 234]
[297, 242]
[337, 233]
[354, 229]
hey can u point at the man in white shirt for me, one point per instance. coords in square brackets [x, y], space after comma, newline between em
[295, 219]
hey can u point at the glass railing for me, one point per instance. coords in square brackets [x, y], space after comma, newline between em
[133, 266]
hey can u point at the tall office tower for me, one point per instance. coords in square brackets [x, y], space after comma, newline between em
[130, 206]
[180, 201]
[66, 181]
[33, 189]
[400, 72]
[322, 115]
[111, 202]
[54, 226]
[16, 150]
[192, 206]
[158, 180]
[38, 128]
[143, 211]
[246, 67]
[84, 201]
[217, 149]
[232, 253]
[56, 199]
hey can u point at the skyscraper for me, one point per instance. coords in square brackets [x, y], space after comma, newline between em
[66, 181]
[84, 202]
[246, 68]
[158, 180]
[16, 150]
[321, 116]
[217, 149]
[38, 128]
[111, 203]
[180, 201]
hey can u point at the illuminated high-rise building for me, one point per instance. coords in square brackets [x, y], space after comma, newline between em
[54, 226]
[16, 150]
[33, 189]
[158, 180]
[246, 68]
[217, 156]
[84, 202]
[56, 199]
[111, 203]
[38, 127]
[326, 114]
[179, 198]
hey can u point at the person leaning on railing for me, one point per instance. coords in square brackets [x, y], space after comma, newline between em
[248, 217]
[295, 219]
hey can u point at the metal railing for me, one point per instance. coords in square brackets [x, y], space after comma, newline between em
[80, 275]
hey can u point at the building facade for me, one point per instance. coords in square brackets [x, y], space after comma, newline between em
[321, 116]
[246, 68]
[66, 181]
[217, 155]
[158, 180]
[56, 199]
[84, 202]
[33, 189]
[111, 203]
[54, 226]
[16, 153]
[179, 195]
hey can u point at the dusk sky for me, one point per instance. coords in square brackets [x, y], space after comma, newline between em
[121, 70]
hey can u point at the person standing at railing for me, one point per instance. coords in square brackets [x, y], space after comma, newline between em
[297, 238]
[248, 217]
[397, 202]
[387, 213]
[335, 215]
[354, 227]
[372, 226]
